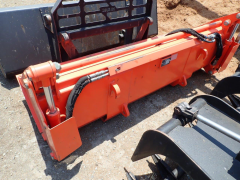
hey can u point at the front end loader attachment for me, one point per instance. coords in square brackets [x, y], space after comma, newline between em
[66, 96]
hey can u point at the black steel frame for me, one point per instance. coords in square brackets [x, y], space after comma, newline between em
[65, 35]
[228, 86]
[158, 142]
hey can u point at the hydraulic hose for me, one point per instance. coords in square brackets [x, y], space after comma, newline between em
[82, 82]
[72, 98]
[219, 48]
[209, 39]
[80, 62]
[200, 36]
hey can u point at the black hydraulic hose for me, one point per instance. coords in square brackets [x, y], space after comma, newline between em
[82, 82]
[72, 98]
[204, 38]
[219, 48]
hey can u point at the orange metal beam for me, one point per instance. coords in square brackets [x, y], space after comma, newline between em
[133, 71]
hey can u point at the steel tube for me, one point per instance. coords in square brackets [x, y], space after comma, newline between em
[98, 73]
[113, 53]
[170, 125]
[233, 32]
[219, 128]
[49, 98]
[99, 77]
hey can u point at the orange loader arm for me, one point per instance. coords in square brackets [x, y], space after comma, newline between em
[64, 97]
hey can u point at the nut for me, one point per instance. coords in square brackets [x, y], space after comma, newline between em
[65, 36]
[57, 66]
[227, 22]
[26, 86]
[57, 76]
[210, 72]
[238, 16]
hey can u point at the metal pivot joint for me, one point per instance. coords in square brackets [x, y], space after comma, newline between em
[191, 113]
[184, 109]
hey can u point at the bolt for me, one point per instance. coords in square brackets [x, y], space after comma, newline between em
[210, 72]
[47, 19]
[238, 16]
[121, 36]
[26, 85]
[57, 76]
[65, 36]
[118, 69]
[57, 66]
[227, 22]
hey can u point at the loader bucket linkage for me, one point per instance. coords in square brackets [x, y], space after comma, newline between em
[65, 96]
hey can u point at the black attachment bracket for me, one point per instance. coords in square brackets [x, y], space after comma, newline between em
[227, 86]
[47, 21]
[185, 110]
[165, 170]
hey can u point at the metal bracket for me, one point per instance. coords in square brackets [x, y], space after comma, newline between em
[125, 110]
[183, 81]
[142, 34]
[115, 89]
[68, 46]
[185, 110]
[203, 54]
[47, 21]
[165, 170]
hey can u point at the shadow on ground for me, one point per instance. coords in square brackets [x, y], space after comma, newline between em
[201, 9]
[8, 83]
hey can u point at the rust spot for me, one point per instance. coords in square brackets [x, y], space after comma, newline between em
[23, 29]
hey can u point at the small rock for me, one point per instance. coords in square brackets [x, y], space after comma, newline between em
[170, 4]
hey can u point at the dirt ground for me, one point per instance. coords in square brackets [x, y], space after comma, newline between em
[107, 147]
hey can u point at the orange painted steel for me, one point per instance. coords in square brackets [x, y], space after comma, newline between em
[134, 71]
